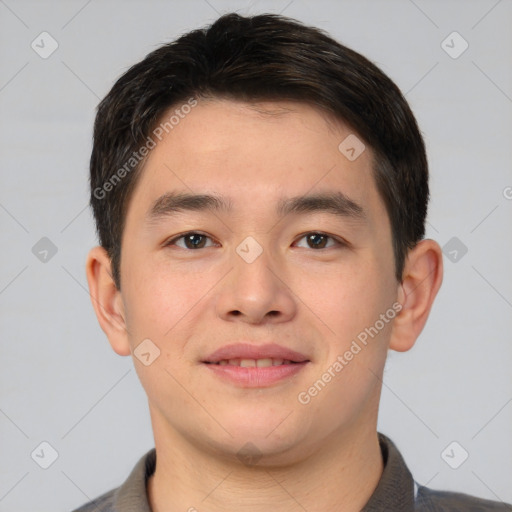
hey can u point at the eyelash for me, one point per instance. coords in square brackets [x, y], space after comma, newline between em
[337, 241]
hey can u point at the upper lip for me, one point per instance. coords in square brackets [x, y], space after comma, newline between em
[248, 351]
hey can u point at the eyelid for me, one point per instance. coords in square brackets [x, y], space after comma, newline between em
[175, 238]
[338, 241]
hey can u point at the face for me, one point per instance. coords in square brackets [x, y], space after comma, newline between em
[308, 277]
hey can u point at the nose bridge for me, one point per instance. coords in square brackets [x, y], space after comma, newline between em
[254, 263]
[250, 250]
[254, 289]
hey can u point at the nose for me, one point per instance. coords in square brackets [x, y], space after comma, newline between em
[257, 292]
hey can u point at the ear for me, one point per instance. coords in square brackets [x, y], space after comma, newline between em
[422, 278]
[107, 300]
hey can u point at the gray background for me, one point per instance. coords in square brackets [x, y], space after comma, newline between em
[60, 380]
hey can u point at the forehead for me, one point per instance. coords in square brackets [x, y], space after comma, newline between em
[256, 154]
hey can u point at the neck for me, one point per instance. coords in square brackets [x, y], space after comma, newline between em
[342, 475]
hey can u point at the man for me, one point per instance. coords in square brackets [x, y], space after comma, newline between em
[260, 193]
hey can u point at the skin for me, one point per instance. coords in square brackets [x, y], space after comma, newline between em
[320, 456]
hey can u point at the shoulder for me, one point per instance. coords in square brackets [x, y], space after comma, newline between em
[429, 500]
[131, 495]
[103, 503]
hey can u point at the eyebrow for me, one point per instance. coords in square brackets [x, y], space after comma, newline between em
[335, 203]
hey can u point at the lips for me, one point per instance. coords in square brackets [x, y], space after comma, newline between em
[245, 354]
[255, 366]
[251, 363]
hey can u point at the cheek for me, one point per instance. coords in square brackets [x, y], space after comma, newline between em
[349, 304]
[163, 302]
[345, 297]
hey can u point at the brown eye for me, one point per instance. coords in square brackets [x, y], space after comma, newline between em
[194, 241]
[191, 241]
[316, 240]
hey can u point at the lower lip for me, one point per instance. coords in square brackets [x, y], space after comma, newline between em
[256, 377]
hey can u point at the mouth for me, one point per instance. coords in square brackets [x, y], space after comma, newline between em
[249, 355]
[255, 376]
[253, 366]
[254, 363]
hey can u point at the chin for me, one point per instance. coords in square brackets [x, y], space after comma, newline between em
[261, 451]
[265, 435]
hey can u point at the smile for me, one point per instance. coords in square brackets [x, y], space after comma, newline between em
[255, 373]
[259, 363]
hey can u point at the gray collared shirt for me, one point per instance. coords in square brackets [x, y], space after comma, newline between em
[395, 492]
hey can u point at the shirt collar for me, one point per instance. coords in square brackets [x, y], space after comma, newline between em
[395, 490]
[132, 495]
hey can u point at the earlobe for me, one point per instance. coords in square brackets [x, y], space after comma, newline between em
[422, 278]
[107, 300]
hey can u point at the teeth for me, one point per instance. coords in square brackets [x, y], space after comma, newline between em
[251, 363]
